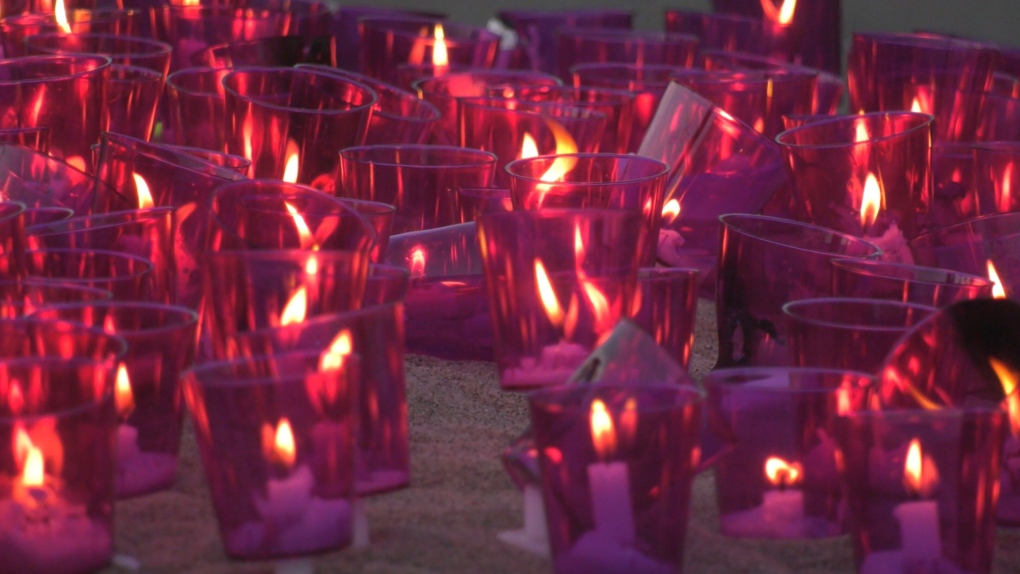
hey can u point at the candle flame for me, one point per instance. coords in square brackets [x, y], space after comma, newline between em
[998, 291]
[145, 200]
[439, 54]
[284, 449]
[296, 308]
[602, 434]
[60, 14]
[915, 106]
[15, 398]
[290, 170]
[565, 144]
[529, 148]
[547, 295]
[670, 211]
[781, 473]
[871, 200]
[781, 15]
[418, 261]
[333, 358]
[919, 473]
[305, 236]
[1006, 192]
[122, 395]
[34, 471]
[861, 133]
[1008, 380]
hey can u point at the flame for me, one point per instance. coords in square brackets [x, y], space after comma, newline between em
[296, 308]
[781, 473]
[333, 358]
[145, 200]
[565, 144]
[15, 398]
[1007, 188]
[122, 395]
[417, 261]
[998, 291]
[782, 15]
[915, 106]
[602, 434]
[871, 201]
[547, 295]
[861, 131]
[60, 14]
[305, 236]
[439, 55]
[670, 211]
[529, 148]
[919, 473]
[34, 471]
[284, 449]
[1008, 379]
[290, 170]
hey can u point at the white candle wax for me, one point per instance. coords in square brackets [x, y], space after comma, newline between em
[783, 506]
[609, 484]
[781, 515]
[534, 537]
[919, 531]
[893, 245]
[597, 553]
[137, 470]
[555, 365]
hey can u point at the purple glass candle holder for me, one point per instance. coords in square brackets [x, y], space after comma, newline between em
[665, 305]
[986, 246]
[999, 119]
[291, 122]
[375, 335]
[127, 277]
[260, 289]
[955, 197]
[274, 215]
[446, 304]
[282, 475]
[273, 52]
[866, 175]
[780, 479]
[58, 464]
[36, 139]
[717, 165]
[389, 42]
[385, 284]
[722, 31]
[40, 181]
[809, 31]
[161, 344]
[45, 215]
[445, 91]
[70, 97]
[228, 161]
[380, 216]
[192, 29]
[22, 297]
[398, 117]
[32, 337]
[14, 30]
[593, 180]
[421, 181]
[617, 465]
[996, 172]
[512, 129]
[123, 50]
[764, 263]
[146, 233]
[343, 29]
[907, 283]
[537, 30]
[474, 201]
[828, 91]
[921, 488]
[843, 333]
[12, 238]
[197, 107]
[558, 281]
[641, 47]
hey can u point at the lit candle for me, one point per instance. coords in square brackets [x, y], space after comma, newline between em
[891, 241]
[40, 531]
[137, 471]
[781, 514]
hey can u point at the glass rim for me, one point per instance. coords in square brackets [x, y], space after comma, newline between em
[482, 158]
[380, 87]
[906, 414]
[656, 274]
[105, 62]
[659, 37]
[311, 322]
[183, 317]
[390, 23]
[862, 265]
[955, 227]
[191, 375]
[84, 406]
[158, 153]
[109, 220]
[792, 310]
[501, 76]
[371, 96]
[719, 378]
[172, 80]
[727, 218]
[689, 395]
[115, 354]
[150, 266]
[158, 48]
[595, 159]
[927, 123]
[919, 40]
[560, 213]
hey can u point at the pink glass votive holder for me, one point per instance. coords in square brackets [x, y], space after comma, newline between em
[955, 196]
[640, 47]
[41, 181]
[378, 215]
[58, 466]
[921, 488]
[473, 201]
[343, 28]
[121, 49]
[389, 42]
[22, 297]
[193, 28]
[69, 94]
[12, 238]
[146, 233]
[722, 31]
[291, 122]
[31, 337]
[558, 280]
[376, 336]
[780, 476]
[999, 117]
[421, 181]
[844, 333]
[809, 32]
[398, 117]
[987, 246]
[385, 284]
[445, 91]
[665, 305]
[867, 175]
[272, 52]
[260, 289]
[274, 215]
[45, 215]
[617, 464]
[996, 172]
[537, 30]
[127, 277]
[15, 30]
[281, 476]
[907, 283]
[225, 160]
[197, 107]
[161, 345]
[764, 263]
[593, 180]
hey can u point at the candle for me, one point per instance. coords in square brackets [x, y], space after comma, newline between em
[41, 531]
[1009, 500]
[534, 537]
[891, 241]
[781, 514]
